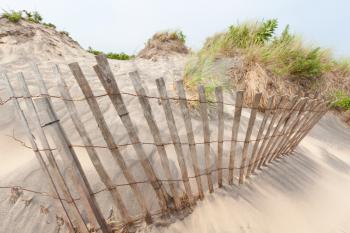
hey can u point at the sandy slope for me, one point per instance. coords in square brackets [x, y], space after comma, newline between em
[306, 192]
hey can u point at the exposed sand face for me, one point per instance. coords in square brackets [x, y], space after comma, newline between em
[306, 192]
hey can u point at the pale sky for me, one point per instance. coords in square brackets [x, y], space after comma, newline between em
[125, 25]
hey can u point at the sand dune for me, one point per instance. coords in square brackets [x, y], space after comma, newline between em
[305, 192]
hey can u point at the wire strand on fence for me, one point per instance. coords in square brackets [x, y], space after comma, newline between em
[155, 144]
[151, 97]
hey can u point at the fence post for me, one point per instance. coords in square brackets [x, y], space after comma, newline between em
[220, 110]
[284, 133]
[267, 113]
[107, 135]
[38, 155]
[109, 83]
[249, 131]
[174, 136]
[267, 133]
[282, 122]
[101, 171]
[281, 113]
[206, 134]
[190, 136]
[50, 121]
[148, 114]
[235, 128]
[42, 137]
[263, 149]
[310, 122]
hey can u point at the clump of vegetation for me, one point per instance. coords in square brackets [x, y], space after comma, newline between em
[33, 16]
[164, 44]
[49, 25]
[30, 16]
[64, 33]
[13, 16]
[340, 100]
[115, 56]
[256, 44]
[170, 35]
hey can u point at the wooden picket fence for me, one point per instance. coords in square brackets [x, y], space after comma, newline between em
[286, 121]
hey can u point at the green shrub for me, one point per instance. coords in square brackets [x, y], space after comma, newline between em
[33, 16]
[64, 33]
[115, 56]
[13, 16]
[284, 55]
[93, 51]
[341, 100]
[49, 25]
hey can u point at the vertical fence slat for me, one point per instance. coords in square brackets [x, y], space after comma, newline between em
[312, 123]
[276, 115]
[303, 122]
[174, 136]
[275, 152]
[107, 135]
[44, 142]
[206, 135]
[148, 114]
[249, 131]
[254, 158]
[109, 83]
[39, 157]
[220, 110]
[190, 136]
[61, 141]
[314, 116]
[278, 103]
[92, 153]
[282, 122]
[235, 128]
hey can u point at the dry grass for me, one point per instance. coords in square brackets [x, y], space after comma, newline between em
[250, 56]
[164, 44]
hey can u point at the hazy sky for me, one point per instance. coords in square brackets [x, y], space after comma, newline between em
[125, 25]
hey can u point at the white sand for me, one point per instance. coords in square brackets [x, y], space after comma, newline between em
[306, 192]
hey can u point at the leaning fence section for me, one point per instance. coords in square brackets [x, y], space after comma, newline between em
[282, 124]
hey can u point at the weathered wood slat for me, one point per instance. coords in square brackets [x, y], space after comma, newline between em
[254, 157]
[302, 124]
[148, 114]
[310, 122]
[235, 128]
[49, 121]
[107, 136]
[174, 136]
[277, 115]
[206, 135]
[249, 131]
[220, 110]
[275, 152]
[298, 124]
[39, 157]
[104, 73]
[58, 177]
[281, 123]
[259, 160]
[100, 169]
[190, 136]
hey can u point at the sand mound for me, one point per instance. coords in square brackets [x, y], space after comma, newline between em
[163, 44]
[25, 42]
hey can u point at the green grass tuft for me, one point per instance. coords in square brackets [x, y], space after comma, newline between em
[115, 56]
[13, 16]
[341, 100]
[284, 55]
